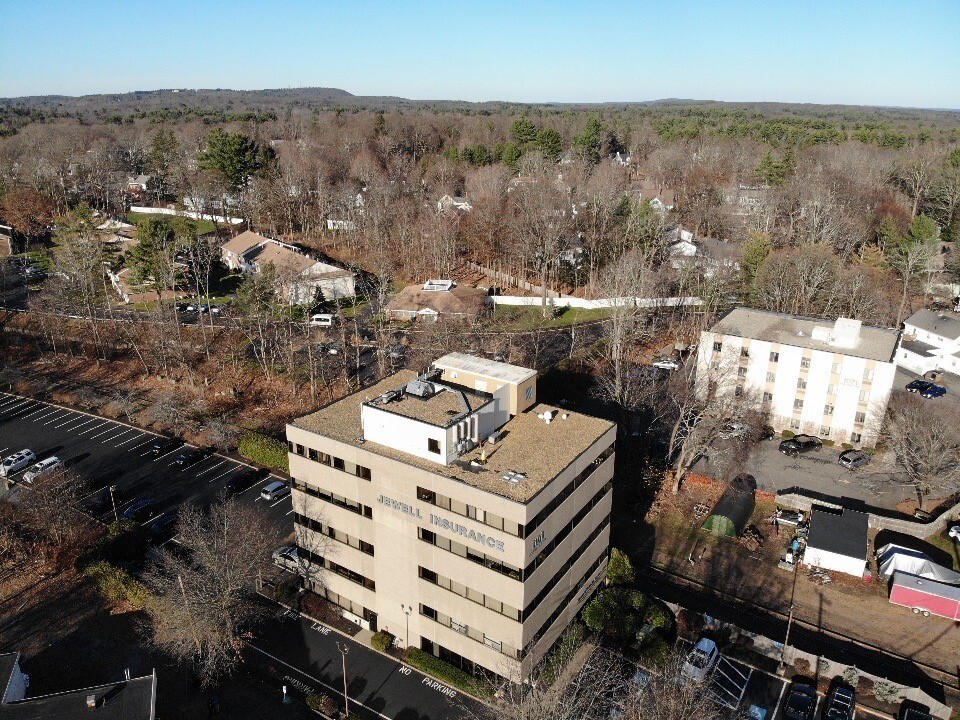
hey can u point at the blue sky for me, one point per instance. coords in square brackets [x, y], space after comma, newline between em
[883, 52]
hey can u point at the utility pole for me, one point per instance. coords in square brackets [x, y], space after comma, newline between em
[783, 651]
[344, 649]
[407, 609]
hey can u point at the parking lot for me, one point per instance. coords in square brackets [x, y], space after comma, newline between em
[107, 453]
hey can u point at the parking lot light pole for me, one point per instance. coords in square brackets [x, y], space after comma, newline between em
[407, 609]
[781, 667]
[113, 501]
[344, 649]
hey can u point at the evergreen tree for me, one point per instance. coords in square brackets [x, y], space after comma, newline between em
[549, 143]
[510, 154]
[523, 131]
[235, 157]
[589, 142]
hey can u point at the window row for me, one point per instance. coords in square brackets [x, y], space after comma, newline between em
[472, 633]
[568, 490]
[344, 602]
[562, 535]
[324, 459]
[349, 574]
[333, 498]
[330, 532]
[453, 586]
[804, 362]
[462, 508]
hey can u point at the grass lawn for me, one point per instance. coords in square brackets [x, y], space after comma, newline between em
[203, 226]
[523, 318]
[945, 543]
[351, 311]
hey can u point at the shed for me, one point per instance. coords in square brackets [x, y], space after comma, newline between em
[891, 558]
[837, 541]
[733, 510]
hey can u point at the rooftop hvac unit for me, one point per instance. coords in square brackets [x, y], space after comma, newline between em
[494, 437]
[464, 446]
[512, 477]
[420, 389]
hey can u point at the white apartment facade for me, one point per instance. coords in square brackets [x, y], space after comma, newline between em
[830, 381]
[931, 341]
[453, 511]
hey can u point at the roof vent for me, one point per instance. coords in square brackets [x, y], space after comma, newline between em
[92, 701]
[514, 478]
[420, 389]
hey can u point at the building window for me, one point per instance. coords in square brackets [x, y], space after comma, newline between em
[771, 377]
[312, 454]
[767, 397]
[774, 357]
[805, 362]
[855, 437]
[428, 611]
[860, 417]
[831, 389]
[801, 384]
[300, 450]
[864, 395]
[529, 394]
[824, 431]
[741, 372]
[433, 445]
[363, 472]
[868, 374]
[717, 346]
[738, 391]
[338, 464]
[828, 409]
[798, 404]
[836, 368]
[744, 352]
[491, 643]
[458, 627]
[795, 424]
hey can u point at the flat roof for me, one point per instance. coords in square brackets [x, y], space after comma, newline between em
[873, 343]
[939, 323]
[528, 445]
[440, 409]
[844, 533]
[513, 374]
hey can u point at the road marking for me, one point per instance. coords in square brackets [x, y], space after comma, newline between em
[776, 708]
[14, 409]
[119, 434]
[92, 428]
[320, 682]
[11, 407]
[212, 467]
[233, 469]
[82, 420]
[40, 409]
[135, 437]
[279, 501]
[108, 430]
[56, 417]
[164, 454]
[140, 445]
[291, 510]
[7, 401]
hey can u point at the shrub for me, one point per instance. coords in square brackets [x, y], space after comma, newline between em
[851, 676]
[382, 640]
[801, 666]
[124, 541]
[657, 652]
[886, 691]
[562, 651]
[620, 570]
[659, 616]
[828, 443]
[322, 703]
[264, 450]
[787, 434]
[445, 671]
[117, 584]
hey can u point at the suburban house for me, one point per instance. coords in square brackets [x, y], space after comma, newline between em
[931, 341]
[837, 541]
[138, 183]
[620, 158]
[829, 380]
[6, 241]
[745, 199]
[708, 254]
[346, 213]
[302, 278]
[127, 699]
[439, 300]
[660, 197]
[457, 205]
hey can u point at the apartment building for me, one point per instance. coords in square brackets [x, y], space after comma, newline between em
[831, 381]
[931, 341]
[453, 510]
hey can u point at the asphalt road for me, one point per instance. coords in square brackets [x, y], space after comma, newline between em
[108, 453]
[380, 688]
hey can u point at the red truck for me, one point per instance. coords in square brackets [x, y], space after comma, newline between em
[923, 596]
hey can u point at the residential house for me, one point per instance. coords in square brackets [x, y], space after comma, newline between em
[6, 241]
[746, 199]
[303, 279]
[707, 254]
[138, 183]
[453, 204]
[660, 197]
[831, 381]
[344, 218]
[439, 300]
[931, 341]
[837, 541]
[127, 699]
[620, 158]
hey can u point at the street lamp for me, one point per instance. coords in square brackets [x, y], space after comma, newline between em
[407, 609]
[344, 649]
[113, 501]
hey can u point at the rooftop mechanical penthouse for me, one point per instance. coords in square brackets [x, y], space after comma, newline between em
[451, 502]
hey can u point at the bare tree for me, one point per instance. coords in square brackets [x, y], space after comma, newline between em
[206, 595]
[926, 444]
[665, 695]
[50, 505]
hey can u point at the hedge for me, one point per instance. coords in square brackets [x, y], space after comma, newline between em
[382, 640]
[124, 542]
[118, 584]
[322, 704]
[445, 671]
[264, 450]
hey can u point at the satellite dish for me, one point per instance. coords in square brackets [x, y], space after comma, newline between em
[955, 532]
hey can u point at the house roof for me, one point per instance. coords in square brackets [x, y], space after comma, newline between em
[244, 242]
[513, 374]
[283, 258]
[920, 348]
[872, 343]
[843, 533]
[123, 700]
[461, 300]
[943, 324]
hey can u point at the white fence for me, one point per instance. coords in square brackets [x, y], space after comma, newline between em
[186, 213]
[602, 303]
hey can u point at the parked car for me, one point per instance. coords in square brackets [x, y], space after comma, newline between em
[853, 459]
[767, 433]
[801, 703]
[188, 457]
[322, 320]
[701, 660]
[44, 467]
[286, 557]
[275, 490]
[164, 445]
[934, 391]
[17, 462]
[242, 481]
[918, 386]
[800, 444]
[841, 704]
[666, 364]
[732, 430]
[140, 511]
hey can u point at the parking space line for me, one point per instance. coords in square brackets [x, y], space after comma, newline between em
[71, 421]
[8, 400]
[140, 445]
[120, 434]
[57, 417]
[233, 469]
[14, 409]
[14, 404]
[39, 409]
[84, 420]
[212, 467]
[97, 426]
[163, 455]
[279, 501]
[135, 437]
[111, 429]
[22, 411]
[290, 511]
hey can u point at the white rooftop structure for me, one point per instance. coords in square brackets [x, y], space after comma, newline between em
[512, 374]
[438, 285]
[844, 333]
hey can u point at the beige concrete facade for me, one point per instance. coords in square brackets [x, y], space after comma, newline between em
[489, 578]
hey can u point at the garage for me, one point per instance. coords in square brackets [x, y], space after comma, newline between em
[837, 541]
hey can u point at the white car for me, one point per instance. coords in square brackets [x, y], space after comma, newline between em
[701, 660]
[275, 490]
[666, 364]
[286, 557]
[44, 467]
[17, 462]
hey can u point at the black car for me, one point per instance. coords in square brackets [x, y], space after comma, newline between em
[188, 457]
[918, 386]
[800, 444]
[163, 526]
[243, 481]
[140, 511]
[801, 702]
[163, 445]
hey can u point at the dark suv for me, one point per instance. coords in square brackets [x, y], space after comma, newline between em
[801, 703]
[800, 444]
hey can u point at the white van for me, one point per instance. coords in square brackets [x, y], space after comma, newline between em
[44, 467]
[17, 462]
[322, 320]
